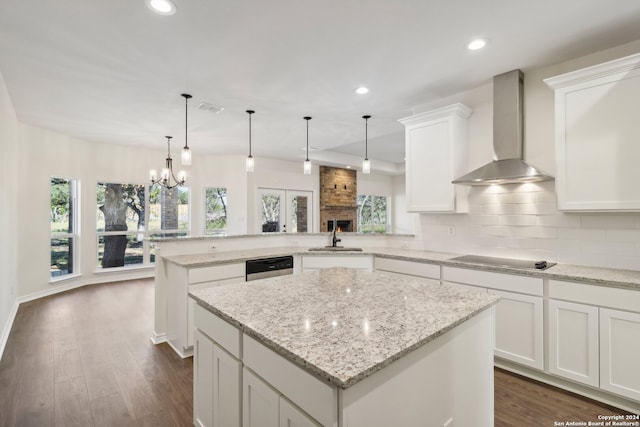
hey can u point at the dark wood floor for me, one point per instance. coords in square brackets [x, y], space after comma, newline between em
[83, 358]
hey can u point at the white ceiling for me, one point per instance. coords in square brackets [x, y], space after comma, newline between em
[113, 71]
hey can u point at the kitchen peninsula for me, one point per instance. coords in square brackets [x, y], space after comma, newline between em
[343, 347]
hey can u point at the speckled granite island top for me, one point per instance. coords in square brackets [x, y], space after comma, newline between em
[341, 324]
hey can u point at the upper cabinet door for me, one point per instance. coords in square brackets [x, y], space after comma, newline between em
[597, 132]
[436, 154]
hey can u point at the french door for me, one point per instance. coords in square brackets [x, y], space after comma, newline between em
[284, 211]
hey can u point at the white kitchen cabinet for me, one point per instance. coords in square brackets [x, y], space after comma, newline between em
[290, 416]
[573, 341]
[182, 279]
[216, 385]
[519, 313]
[260, 403]
[597, 132]
[520, 328]
[619, 352]
[429, 273]
[316, 262]
[436, 147]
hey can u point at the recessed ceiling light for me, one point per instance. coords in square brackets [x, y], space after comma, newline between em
[348, 166]
[362, 90]
[162, 7]
[477, 44]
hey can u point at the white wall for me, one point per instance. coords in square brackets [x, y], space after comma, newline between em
[8, 213]
[522, 221]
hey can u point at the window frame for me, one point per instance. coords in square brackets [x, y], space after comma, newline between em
[74, 234]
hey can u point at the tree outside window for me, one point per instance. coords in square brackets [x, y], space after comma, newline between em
[373, 214]
[215, 210]
[121, 227]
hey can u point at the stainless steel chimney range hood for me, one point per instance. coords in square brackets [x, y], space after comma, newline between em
[507, 166]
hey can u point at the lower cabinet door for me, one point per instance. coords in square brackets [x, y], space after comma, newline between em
[260, 402]
[573, 342]
[519, 328]
[227, 395]
[290, 416]
[202, 380]
[216, 385]
[619, 350]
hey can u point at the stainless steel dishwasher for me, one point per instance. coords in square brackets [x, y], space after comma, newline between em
[268, 267]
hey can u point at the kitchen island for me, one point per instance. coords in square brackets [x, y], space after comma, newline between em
[343, 347]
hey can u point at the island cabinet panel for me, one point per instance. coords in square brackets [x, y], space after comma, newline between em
[597, 132]
[225, 334]
[573, 341]
[519, 313]
[260, 403]
[436, 154]
[217, 378]
[448, 381]
[316, 262]
[290, 416]
[314, 396]
[429, 272]
[619, 352]
[180, 308]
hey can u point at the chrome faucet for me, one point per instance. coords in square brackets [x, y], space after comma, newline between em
[335, 240]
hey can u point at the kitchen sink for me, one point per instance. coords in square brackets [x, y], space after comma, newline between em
[335, 249]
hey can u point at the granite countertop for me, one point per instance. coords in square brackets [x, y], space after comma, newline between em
[342, 324]
[629, 279]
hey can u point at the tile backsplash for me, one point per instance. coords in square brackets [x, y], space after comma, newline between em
[522, 221]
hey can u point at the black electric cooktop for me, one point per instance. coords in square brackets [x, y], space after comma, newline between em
[505, 262]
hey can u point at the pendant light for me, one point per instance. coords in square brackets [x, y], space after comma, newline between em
[250, 163]
[366, 163]
[167, 172]
[186, 153]
[307, 162]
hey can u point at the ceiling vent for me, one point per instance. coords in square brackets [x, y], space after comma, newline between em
[210, 108]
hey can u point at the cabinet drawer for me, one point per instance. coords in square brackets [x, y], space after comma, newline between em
[315, 397]
[350, 261]
[217, 272]
[408, 267]
[223, 333]
[489, 279]
[602, 296]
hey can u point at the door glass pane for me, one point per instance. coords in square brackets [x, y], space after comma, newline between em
[270, 212]
[299, 214]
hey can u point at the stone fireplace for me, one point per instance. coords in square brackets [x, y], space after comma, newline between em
[338, 198]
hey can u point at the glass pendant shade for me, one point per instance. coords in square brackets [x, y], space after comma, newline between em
[186, 156]
[250, 164]
[165, 174]
[153, 175]
[307, 167]
[366, 166]
[182, 176]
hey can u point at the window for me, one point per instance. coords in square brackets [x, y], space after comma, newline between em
[372, 214]
[63, 219]
[215, 199]
[121, 219]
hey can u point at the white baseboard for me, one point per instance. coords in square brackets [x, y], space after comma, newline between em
[158, 338]
[7, 327]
